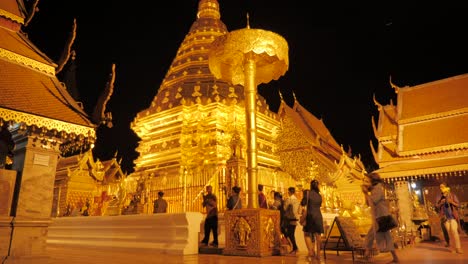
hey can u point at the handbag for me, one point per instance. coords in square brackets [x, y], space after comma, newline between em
[386, 223]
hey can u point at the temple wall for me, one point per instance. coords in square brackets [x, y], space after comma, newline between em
[159, 233]
[7, 186]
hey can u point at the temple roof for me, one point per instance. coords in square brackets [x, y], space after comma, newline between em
[189, 80]
[456, 166]
[314, 145]
[431, 100]
[10, 9]
[313, 128]
[428, 134]
[31, 93]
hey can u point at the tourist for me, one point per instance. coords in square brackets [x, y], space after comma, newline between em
[262, 200]
[271, 199]
[160, 204]
[313, 229]
[375, 197]
[448, 205]
[442, 222]
[211, 220]
[278, 205]
[291, 207]
[234, 201]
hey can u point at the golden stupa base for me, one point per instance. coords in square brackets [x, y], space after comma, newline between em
[251, 232]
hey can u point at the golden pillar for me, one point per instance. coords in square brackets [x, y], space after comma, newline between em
[249, 57]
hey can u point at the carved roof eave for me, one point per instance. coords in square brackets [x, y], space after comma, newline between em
[11, 16]
[391, 138]
[48, 123]
[31, 63]
[433, 116]
[455, 167]
[453, 147]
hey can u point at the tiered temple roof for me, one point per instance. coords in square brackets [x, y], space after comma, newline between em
[425, 133]
[31, 94]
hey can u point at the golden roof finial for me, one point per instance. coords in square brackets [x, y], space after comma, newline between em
[248, 22]
[281, 95]
[294, 95]
[379, 106]
[394, 86]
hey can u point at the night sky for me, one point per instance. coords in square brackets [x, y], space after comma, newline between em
[340, 56]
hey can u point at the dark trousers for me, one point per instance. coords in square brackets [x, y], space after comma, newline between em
[289, 233]
[211, 224]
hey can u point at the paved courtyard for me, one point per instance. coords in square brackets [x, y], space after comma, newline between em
[423, 252]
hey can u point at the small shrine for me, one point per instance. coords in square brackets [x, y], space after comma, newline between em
[85, 186]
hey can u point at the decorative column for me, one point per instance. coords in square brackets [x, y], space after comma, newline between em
[249, 57]
[36, 162]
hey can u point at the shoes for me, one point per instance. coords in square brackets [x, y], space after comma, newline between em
[293, 252]
[214, 245]
[203, 244]
[459, 251]
[447, 245]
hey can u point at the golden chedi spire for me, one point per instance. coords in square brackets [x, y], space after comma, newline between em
[193, 116]
[188, 80]
[208, 9]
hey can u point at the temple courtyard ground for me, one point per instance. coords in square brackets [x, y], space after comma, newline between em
[422, 252]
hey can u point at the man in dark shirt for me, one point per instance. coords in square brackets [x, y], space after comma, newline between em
[211, 220]
[160, 205]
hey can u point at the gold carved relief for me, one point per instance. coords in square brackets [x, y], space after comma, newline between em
[242, 231]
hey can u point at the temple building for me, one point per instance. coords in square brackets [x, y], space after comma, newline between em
[44, 122]
[422, 142]
[193, 135]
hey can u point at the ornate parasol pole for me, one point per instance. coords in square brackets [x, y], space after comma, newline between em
[249, 57]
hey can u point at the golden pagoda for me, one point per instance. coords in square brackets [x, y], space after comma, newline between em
[422, 142]
[193, 134]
